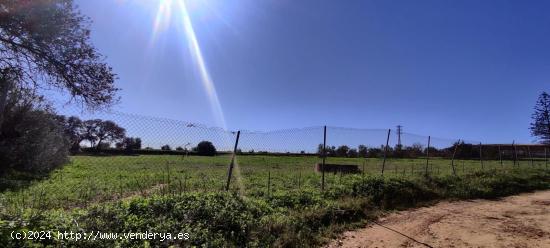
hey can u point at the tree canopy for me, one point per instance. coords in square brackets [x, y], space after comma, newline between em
[46, 44]
[205, 148]
[540, 127]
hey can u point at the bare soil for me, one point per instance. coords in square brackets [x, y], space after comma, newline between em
[515, 221]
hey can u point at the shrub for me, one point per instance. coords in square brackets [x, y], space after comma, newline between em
[205, 148]
[32, 141]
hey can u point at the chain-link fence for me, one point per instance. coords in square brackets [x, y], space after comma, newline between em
[156, 155]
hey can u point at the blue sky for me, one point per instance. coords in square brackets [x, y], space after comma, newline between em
[454, 69]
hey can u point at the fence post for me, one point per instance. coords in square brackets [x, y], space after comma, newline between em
[453, 158]
[500, 156]
[480, 157]
[515, 152]
[230, 170]
[428, 154]
[386, 151]
[324, 157]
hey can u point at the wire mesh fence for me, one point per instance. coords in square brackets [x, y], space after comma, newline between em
[176, 157]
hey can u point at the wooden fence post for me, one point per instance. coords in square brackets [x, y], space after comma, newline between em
[453, 158]
[324, 157]
[385, 151]
[428, 154]
[231, 164]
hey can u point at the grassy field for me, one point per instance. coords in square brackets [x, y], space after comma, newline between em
[92, 179]
[266, 188]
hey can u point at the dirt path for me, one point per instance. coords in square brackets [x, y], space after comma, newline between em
[515, 221]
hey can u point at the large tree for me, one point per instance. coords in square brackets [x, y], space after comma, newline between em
[45, 44]
[98, 131]
[540, 127]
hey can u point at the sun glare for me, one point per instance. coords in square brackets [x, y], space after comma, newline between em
[178, 10]
[169, 9]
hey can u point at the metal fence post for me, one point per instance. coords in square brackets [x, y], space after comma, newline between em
[386, 151]
[230, 170]
[428, 154]
[453, 158]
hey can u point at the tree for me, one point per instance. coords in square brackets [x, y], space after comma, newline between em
[362, 151]
[73, 129]
[45, 44]
[205, 148]
[414, 151]
[331, 151]
[129, 144]
[98, 131]
[375, 152]
[342, 151]
[352, 153]
[108, 132]
[166, 148]
[540, 127]
[89, 131]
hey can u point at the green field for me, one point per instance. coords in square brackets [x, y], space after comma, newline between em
[271, 187]
[92, 179]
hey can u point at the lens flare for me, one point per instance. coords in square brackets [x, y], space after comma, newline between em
[162, 21]
[196, 52]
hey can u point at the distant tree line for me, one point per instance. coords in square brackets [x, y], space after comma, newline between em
[463, 151]
[203, 148]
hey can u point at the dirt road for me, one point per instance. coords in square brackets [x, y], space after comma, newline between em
[515, 221]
